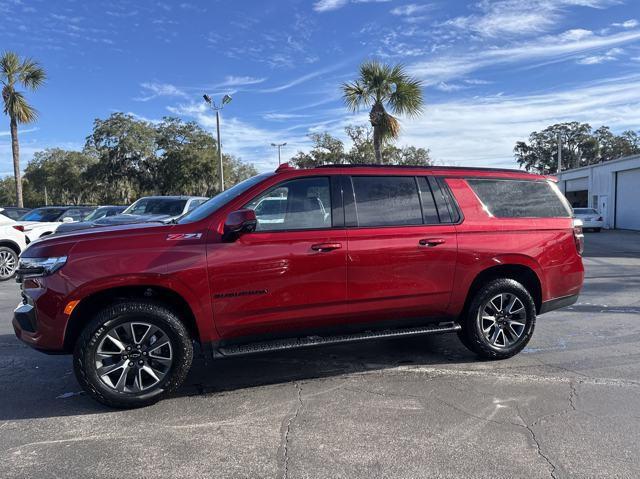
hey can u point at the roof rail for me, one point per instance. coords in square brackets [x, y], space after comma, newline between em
[430, 167]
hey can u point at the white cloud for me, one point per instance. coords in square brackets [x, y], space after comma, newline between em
[411, 9]
[609, 56]
[329, 5]
[20, 132]
[498, 18]
[482, 131]
[303, 78]
[241, 81]
[445, 68]
[449, 87]
[282, 116]
[631, 23]
[154, 90]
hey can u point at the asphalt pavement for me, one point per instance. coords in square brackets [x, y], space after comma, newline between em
[567, 406]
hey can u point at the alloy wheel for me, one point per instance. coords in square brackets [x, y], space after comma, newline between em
[133, 357]
[502, 320]
[8, 264]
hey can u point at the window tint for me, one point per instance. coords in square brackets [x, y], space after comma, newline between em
[387, 200]
[429, 210]
[520, 198]
[76, 214]
[43, 214]
[293, 205]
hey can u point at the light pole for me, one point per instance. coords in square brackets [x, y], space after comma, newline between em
[279, 147]
[225, 99]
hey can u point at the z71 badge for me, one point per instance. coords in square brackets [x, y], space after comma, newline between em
[183, 236]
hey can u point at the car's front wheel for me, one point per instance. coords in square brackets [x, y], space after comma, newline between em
[132, 354]
[500, 320]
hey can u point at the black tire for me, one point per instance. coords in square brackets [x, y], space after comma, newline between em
[119, 314]
[597, 230]
[11, 257]
[472, 335]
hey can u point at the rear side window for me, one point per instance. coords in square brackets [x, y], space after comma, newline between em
[520, 198]
[387, 200]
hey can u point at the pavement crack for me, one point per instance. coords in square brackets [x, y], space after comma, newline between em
[284, 447]
[539, 450]
[573, 395]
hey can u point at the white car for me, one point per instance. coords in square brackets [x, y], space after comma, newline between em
[12, 242]
[44, 221]
[591, 219]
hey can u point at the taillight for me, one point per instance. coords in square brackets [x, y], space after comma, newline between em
[578, 236]
[18, 227]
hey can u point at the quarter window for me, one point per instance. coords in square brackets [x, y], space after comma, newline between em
[520, 198]
[429, 210]
[297, 204]
[387, 200]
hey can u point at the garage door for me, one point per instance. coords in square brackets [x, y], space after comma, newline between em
[577, 184]
[627, 199]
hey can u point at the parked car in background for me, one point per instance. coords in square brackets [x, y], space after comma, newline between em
[591, 219]
[404, 251]
[44, 221]
[99, 213]
[144, 210]
[12, 242]
[14, 212]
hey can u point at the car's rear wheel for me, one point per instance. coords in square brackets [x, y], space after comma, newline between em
[132, 354]
[8, 263]
[500, 320]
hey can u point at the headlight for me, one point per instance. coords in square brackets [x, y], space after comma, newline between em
[40, 266]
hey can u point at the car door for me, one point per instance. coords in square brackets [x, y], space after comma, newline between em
[402, 248]
[290, 273]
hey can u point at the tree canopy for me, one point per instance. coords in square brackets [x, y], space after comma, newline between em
[383, 87]
[125, 158]
[581, 146]
[328, 149]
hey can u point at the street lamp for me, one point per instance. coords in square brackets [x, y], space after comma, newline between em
[279, 147]
[225, 100]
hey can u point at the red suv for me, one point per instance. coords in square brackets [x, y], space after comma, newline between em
[301, 258]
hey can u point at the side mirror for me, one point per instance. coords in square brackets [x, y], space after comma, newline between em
[67, 219]
[239, 222]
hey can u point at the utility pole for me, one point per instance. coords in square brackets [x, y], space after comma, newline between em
[559, 152]
[279, 147]
[46, 197]
[225, 99]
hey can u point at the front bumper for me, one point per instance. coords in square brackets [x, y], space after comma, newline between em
[25, 316]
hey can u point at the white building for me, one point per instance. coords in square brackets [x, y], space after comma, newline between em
[612, 188]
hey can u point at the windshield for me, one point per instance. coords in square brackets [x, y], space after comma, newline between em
[585, 211]
[43, 214]
[96, 214]
[156, 206]
[211, 206]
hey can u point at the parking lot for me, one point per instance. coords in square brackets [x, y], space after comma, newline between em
[568, 406]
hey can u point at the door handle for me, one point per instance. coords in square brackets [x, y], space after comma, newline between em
[324, 247]
[430, 242]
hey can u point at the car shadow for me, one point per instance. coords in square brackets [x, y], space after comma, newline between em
[35, 385]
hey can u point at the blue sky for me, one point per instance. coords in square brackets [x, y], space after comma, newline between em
[493, 71]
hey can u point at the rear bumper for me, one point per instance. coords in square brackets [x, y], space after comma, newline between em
[558, 303]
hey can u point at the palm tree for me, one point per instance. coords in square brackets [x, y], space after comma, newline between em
[381, 86]
[28, 73]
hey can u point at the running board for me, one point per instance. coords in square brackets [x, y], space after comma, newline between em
[310, 341]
